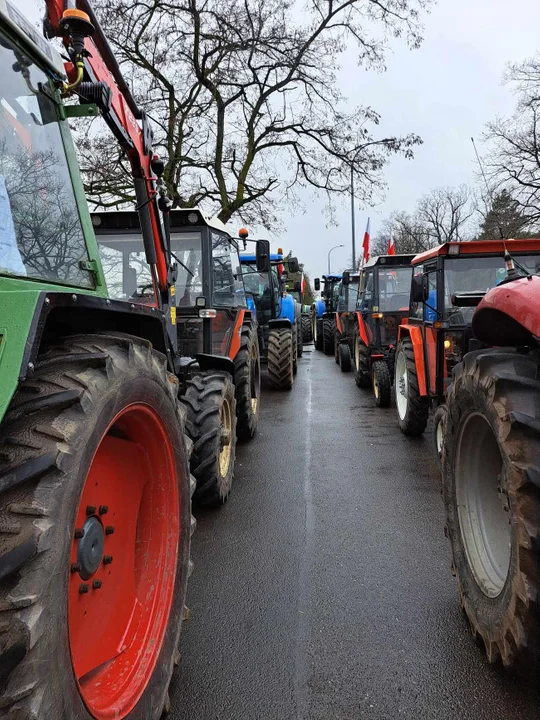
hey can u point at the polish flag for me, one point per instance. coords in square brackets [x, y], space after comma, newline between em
[303, 287]
[366, 244]
[391, 245]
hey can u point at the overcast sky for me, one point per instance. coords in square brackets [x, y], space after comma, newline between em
[446, 91]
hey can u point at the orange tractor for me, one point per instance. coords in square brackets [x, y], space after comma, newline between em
[489, 432]
[383, 298]
[446, 283]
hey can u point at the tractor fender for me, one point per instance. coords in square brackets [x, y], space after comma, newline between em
[287, 308]
[414, 333]
[509, 314]
[215, 362]
[339, 325]
[319, 307]
[363, 329]
[279, 323]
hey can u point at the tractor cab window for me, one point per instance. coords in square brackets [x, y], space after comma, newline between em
[416, 308]
[430, 306]
[40, 230]
[341, 297]
[261, 287]
[227, 276]
[128, 275]
[394, 288]
[352, 295]
[476, 274]
[365, 299]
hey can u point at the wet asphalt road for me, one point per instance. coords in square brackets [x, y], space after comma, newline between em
[322, 590]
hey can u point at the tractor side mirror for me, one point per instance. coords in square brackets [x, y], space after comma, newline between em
[262, 254]
[419, 289]
[346, 278]
[297, 286]
[293, 264]
[317, 284]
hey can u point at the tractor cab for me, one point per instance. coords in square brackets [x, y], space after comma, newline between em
[347, 293]
[446, 285]
[208, 284]
[382, 304]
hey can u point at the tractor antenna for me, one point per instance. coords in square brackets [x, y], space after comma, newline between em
[489, 191]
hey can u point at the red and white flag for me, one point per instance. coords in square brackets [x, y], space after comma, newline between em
[391, 245]
[365, 257]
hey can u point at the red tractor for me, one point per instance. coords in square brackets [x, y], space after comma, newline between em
[383, 299]
[345, 319]
[490, 435]
[445, 285]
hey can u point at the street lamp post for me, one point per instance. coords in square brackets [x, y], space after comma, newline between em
[352, 220]
[335, 246]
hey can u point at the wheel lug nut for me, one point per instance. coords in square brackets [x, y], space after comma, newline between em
[83, 589]
[109, 530]
[90, 509]
[103, 509]
[96, 584]
[107, 559]
[75, 567]
[79, 533]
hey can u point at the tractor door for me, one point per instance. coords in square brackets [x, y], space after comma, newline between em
[228, 295]
[429, 331]
[366, 300]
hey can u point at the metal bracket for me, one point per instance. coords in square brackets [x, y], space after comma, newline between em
[86, 110]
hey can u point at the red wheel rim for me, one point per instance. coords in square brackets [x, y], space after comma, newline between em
[129, 510]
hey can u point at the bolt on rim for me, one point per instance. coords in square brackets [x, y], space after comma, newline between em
[482, 503]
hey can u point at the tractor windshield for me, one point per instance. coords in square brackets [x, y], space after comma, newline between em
[476, 274]
[128, 274]
[40, 230]
[394, 288]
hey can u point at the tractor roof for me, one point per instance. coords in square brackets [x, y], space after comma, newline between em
[331, 278]
[180, 218]
[24, 29]
[388, 260]
[479, 247]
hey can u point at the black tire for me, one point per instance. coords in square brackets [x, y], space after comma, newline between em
[345, 362]
[295, 358]
[492, 437]
[362, 374]
[328, 330]
[48, 439]
[382, 383]
[280, 359]
[439, 420]
[211, 407]
[247, 381]
[318, 333]
[307, 335]
[336, 348]
[300, 340]
[413, 412]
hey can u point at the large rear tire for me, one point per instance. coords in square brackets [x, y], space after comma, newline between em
[362, 375]
[211, 424]
[382, 383]
[247, 381]
[307, 335]
[94, 533]
[328, 331]
[491, 489]
[280, 359]
[412, 408]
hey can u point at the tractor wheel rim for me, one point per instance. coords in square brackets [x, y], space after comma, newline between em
[226, 438]
[402, 386]
[121, 580]
[255, 379]
[439, 437]
[357, 354]
[483, 506]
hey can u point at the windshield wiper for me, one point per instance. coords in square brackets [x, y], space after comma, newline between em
[182, 264]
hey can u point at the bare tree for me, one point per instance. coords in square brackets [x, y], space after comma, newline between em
[514, 160]
[245, 100]
[411, 236]
[445, 213]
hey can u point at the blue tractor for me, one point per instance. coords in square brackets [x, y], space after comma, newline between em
[278, 316]
[323, 318]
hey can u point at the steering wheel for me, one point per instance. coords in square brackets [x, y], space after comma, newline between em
[141, 292]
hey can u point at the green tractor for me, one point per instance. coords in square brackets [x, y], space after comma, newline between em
[95, 487]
